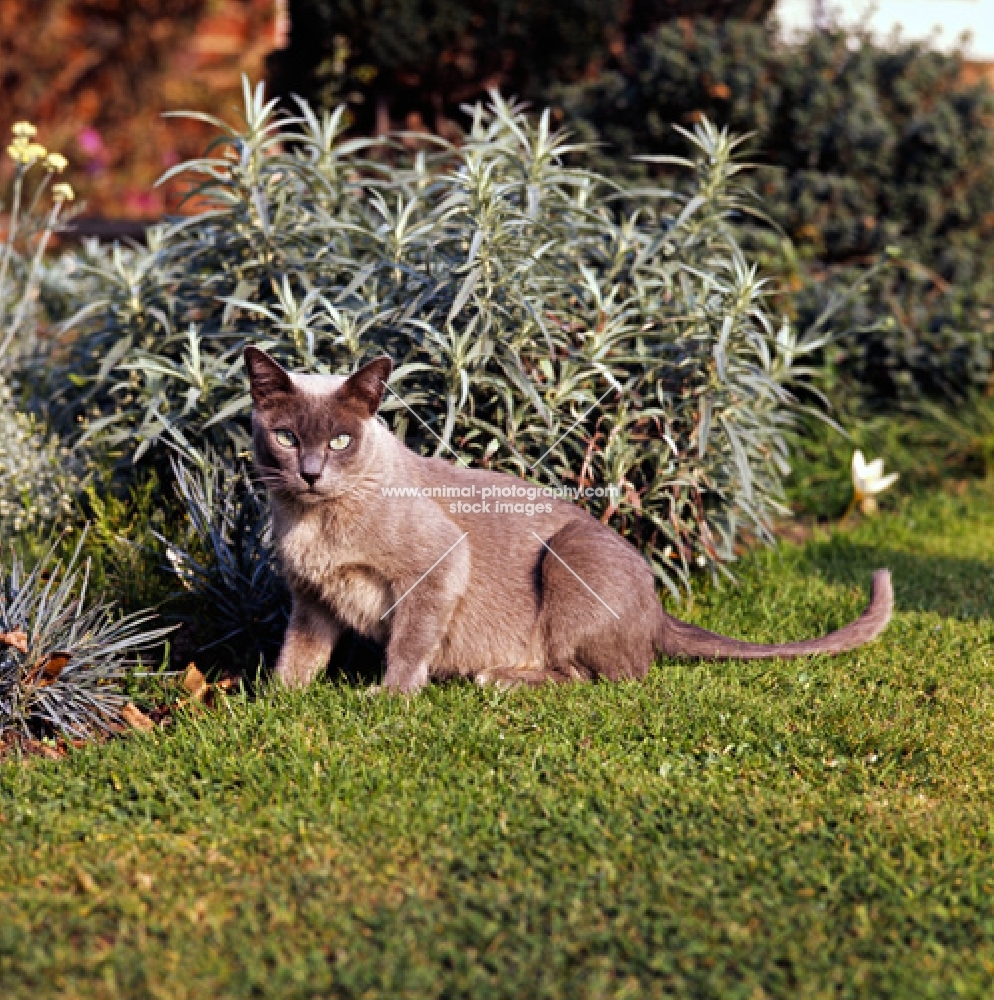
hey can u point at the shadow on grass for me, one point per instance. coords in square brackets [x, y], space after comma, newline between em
[356, 661]
[948, 586]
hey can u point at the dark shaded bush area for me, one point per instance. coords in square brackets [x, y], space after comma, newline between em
[863, 147]
[870, 144]
[412, 62]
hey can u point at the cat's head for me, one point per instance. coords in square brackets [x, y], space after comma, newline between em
[309, 430]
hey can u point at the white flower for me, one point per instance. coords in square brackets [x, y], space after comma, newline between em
[56, 163]
[868, 480]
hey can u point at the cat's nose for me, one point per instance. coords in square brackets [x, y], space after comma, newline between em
[310, 467]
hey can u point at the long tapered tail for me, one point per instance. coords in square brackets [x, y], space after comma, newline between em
[679, 638]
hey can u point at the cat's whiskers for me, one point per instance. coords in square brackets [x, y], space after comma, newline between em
[284, 482]
[263, 477]
[273, 482]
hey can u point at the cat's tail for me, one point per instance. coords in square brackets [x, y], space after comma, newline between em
[677, 638]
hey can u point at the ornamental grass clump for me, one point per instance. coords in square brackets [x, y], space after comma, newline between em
[543, 319]
[225, 563]
[63, 658]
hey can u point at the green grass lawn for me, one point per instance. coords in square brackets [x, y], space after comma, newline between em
[819, 828]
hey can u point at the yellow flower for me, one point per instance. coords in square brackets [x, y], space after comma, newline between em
[868, 480]
[56, 163]
[24, 130]
[63, 192]
[21, 150]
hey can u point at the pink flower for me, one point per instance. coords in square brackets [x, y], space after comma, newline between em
[141, 204]
[91, 143]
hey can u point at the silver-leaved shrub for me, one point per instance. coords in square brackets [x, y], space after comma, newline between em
[37, 481]
[543, 319]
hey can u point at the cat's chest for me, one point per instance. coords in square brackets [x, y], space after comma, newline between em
[329, 567]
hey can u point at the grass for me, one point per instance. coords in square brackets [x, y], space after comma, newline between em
[819, 828]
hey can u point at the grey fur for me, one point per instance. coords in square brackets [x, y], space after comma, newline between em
[505, 598]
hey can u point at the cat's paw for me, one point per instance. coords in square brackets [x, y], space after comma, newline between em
[513, 678]
[399, 680]
[496, 679]
[385, 691]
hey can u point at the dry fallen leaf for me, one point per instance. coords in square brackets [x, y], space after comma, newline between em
[16, 639]
[51, 667]
[633, 496]
[144, 881]
[136, 718]
[194, 681]
[86, 881]
[43, 748]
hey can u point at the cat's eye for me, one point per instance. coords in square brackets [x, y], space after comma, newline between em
[339, 443]
[286, 438]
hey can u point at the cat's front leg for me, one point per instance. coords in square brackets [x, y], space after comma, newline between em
[420, 621]
[308, 644]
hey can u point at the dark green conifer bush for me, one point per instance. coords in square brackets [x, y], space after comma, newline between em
[862, 146]
[544, 319]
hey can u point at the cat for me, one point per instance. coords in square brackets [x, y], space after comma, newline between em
[412, 553]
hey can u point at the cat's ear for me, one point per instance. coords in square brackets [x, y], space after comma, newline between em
[266, 377]
[366, 386]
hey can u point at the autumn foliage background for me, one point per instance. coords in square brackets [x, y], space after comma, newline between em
[95, 76]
